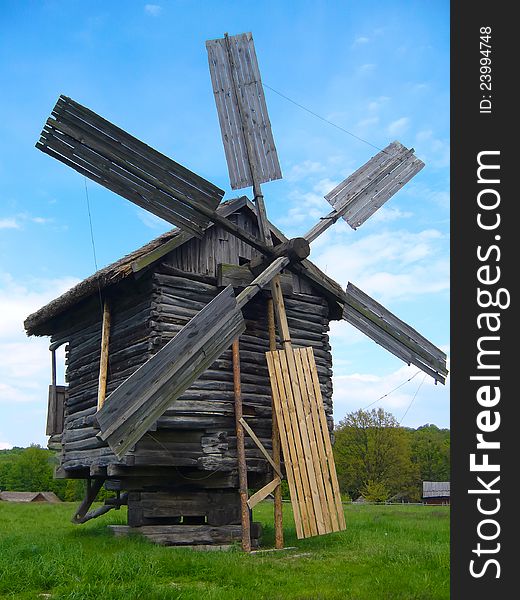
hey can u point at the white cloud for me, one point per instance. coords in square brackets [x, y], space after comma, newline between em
[388, 264]
[361, 40]
[154, 10]
[367, 390]
[9, 223]
[367, 122]
[18, 221]
[5, 446]
[389, 213]
[303, 170]
[25, 362]
[398, 127]
[378, 103]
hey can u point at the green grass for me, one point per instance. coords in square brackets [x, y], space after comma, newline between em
[387, 552]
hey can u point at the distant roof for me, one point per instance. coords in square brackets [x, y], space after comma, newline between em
[436, 489]
[146, 255]
[29, 497]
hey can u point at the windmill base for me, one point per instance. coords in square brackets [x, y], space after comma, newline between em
[187, 518]
[218, 537]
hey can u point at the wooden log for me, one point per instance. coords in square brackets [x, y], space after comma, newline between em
[189, 535]
[241, 455]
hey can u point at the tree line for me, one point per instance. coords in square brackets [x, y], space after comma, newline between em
[375, 458]
[378, 459]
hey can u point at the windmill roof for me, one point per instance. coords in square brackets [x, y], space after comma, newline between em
[436, 489]
[125, 266]
[28, 496]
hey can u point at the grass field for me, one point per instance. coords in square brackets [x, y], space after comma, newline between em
[387, 552]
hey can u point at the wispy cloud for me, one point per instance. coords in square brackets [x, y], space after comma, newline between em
[9, 223]
[398, 127]
[24, 362]
[152, 221]
[154, 10]
[366, 68]
[389, 265]
[18, 221]
[361, 41]
[361, 390]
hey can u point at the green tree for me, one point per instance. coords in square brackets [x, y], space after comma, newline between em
[431, 452]
[371, 449]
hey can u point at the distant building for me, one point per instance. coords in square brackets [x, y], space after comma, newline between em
[29, 497]
[436, 492]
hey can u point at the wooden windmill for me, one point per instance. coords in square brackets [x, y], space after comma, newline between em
[111, 157]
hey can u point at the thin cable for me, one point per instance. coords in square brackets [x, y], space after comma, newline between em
[392, 391]
[90, 223]
[322, 118]
[414, 396]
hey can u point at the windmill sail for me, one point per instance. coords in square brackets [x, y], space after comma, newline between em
[359, 196]
[242, 111]
[394, 335]
[120, 162]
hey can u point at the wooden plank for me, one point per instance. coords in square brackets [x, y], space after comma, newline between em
[105, 152]
[314, 439]
[376, 194]
[239, 97]
[261, 281]
[143, 397]
[263, 493]
[103, 362]
[316, 425]
[307, 422]
[260, 446]
[198, 183]
[288, 444]
[313, 497]
[373, 319]
[326, 440]
[357, 197]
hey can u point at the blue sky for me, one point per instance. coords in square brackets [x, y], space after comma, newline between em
[378, 69]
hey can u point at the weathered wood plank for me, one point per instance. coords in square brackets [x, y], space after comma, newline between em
[263, 493]
[394, 335]
[305, 440]
[239, 98]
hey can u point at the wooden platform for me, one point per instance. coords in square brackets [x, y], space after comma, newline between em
[191, 535]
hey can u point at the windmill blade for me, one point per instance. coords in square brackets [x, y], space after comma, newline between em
[120, 162]
[141, 399]
[394, 335]
[365, 191]
[242, 111]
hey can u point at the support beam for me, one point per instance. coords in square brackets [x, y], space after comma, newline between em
[241, 451]
[259, 445]
[263, 492]
[103, 362]
[275, 440]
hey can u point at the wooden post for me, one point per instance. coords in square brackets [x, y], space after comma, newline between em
[103, 362]
[241, 451]
[275, 437]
